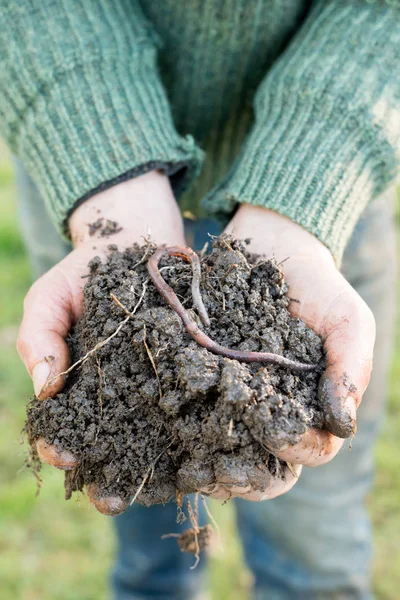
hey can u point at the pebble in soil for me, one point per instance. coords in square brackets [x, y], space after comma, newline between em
[199, 417]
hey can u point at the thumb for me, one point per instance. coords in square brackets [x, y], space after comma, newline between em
[48, 316]
[350, 335]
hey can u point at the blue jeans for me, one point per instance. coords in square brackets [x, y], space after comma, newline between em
[312, 543]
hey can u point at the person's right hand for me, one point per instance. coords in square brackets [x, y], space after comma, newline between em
[143, 207]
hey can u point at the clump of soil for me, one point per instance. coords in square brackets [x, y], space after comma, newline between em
[104, 228]
[193, 541]
[151, 410]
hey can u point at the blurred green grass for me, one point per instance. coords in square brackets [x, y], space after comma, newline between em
[54, 549]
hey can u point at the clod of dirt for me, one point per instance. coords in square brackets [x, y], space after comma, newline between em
[193, 541]
[104, 228]
[150, 412]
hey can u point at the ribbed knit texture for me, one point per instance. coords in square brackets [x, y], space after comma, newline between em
[327, 135]
[81, 102]
[84, 104]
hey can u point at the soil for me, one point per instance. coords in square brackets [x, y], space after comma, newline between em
[104, 228]
[153, 411]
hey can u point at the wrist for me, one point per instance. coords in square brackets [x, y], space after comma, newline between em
[276, 235]
[123, 214]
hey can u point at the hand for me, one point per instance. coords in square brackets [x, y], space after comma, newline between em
[55, 301]
[332, 308]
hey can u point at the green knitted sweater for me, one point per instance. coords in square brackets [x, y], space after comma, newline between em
[294, 104]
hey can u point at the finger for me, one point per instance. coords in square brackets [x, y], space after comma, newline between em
[220, 492]
[107, 505]
[62, 459]
[47, 319]
[276, 486]
[349, 343]
[316, 447]
[194, 475]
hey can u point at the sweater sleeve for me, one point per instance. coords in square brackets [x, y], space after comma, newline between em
[81, 102]
[326, 137]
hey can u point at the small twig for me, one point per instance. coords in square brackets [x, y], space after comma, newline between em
[88, 354]
[204, 249]
[149, 474]
[104, 342]
[282, 261]
[230, 428]
[292, 470]
[138, 303]
[141, 486]
[119, 303]
[149, 354]
[193, 516]
[145, 255]
[213, 521]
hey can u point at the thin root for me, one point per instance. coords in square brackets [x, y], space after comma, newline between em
[141, 486]
[213, 521]
[292, 469]
[153, 364]
[194, 519]
[104, 342]
[88, 354]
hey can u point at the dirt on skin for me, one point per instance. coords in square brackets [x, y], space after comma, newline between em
[104, 228]
[153, 411]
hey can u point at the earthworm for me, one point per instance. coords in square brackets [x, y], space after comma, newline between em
[192, 328]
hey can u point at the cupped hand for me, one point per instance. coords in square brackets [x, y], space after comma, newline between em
[142, 207]
[328, 304]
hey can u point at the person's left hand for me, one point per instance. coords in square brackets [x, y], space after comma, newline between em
[332, 308]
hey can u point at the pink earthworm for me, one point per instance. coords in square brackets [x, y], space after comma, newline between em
[192, 328]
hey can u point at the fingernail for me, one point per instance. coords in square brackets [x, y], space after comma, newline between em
[351, 406]
[340, 416]
[40, 376]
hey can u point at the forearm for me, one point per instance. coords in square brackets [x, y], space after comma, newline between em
[81, 101]
[143, 207]
[326, 138]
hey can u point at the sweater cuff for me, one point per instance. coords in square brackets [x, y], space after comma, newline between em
[326, 138]
[311, 163]
[98, 124]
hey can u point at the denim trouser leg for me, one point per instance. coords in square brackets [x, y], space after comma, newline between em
[148, 567]
[315, 541]
[312, 543]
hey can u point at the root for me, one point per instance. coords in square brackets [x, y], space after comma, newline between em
[147, 476]
[292, 470]
[88, 354]
[139, 302]
[194, 519]
[213, 521]
[141, 486]
[103, 343]
[153, 364]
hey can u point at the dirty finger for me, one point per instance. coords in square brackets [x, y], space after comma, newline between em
[49, 453]
[316, 447]
[107, 505]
